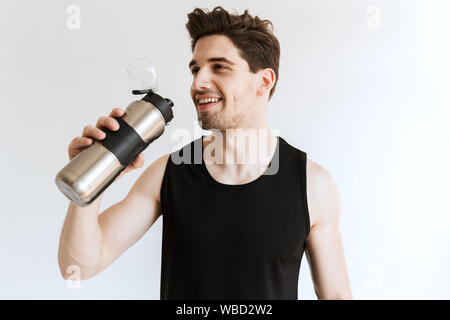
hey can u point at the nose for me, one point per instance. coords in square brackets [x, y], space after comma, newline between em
[202, 80]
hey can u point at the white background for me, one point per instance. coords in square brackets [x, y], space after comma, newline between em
[363, 90]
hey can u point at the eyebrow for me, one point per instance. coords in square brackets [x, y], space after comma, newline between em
[218, 59]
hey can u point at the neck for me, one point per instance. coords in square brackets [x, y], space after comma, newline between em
[239, 150]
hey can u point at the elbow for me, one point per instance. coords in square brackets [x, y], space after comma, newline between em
[74, 273]
[70, 270]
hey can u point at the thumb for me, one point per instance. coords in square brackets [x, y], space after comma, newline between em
[138, 162]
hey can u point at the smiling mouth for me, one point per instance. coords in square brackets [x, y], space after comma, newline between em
[207, 106]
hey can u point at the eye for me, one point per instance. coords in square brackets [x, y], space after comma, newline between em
[216, 67]
[219, 66]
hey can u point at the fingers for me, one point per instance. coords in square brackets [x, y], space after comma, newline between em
[77, 145]
[93, 132]
[117, 112]
[138, 162]
[108, 122]
[80, 142]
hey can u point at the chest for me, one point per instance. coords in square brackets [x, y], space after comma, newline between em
[251, 173]
[264, 222]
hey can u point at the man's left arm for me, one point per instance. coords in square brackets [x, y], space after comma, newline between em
[324, 248]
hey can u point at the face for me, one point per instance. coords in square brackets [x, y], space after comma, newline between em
[219, 72]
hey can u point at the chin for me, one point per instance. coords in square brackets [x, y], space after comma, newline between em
[210, 125]
[205, 125]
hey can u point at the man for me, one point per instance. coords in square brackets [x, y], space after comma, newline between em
[231, 230]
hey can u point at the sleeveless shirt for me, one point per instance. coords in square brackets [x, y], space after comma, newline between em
[222, 241]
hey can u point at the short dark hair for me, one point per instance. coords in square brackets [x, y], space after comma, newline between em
[252, 36]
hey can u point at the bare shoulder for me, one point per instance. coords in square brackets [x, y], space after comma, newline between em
[322, 194]
[144, 196]
[149, 182]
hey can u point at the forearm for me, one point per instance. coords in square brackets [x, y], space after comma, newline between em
[80, 241]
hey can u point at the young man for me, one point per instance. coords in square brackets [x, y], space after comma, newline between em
[231, 229]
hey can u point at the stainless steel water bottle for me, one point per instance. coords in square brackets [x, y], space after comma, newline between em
[88, 174]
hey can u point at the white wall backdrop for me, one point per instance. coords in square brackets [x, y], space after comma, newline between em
[363, 90]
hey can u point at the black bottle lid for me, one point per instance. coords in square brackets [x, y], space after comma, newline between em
[164, 105]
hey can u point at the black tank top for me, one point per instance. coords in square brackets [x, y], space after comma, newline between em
[222, 241]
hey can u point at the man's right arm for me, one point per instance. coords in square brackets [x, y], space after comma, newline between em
[91, 242]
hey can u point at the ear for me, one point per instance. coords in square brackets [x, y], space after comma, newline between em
[266, 80]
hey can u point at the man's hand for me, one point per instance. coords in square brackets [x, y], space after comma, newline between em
[91, 133]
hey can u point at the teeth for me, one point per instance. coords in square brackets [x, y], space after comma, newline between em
[208, 100]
